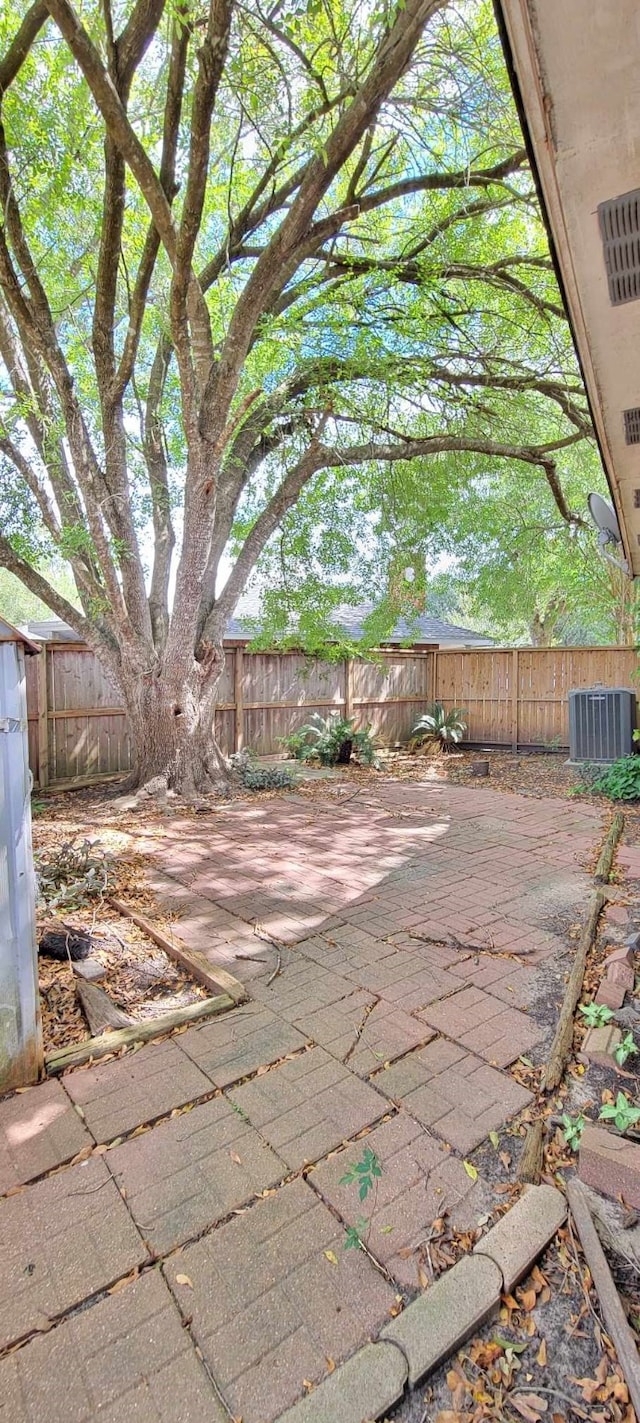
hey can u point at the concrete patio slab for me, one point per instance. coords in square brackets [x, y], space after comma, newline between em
[454, 1092]
[64, 1238]
[117, 1096]
[273, 1296]
[39, 1129]
[237, 1044]
[191, 1172]
[128, 1357]
[420, 1181]
[307, 1107]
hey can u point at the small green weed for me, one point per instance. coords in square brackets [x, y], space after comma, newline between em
[597, 1015]
[572, 1129]
[621, 1113]
[363, 1173]
[625, 1049]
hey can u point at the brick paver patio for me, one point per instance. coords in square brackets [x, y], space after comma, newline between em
[175, 1220]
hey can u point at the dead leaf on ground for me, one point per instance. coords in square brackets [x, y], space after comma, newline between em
[530, 1406]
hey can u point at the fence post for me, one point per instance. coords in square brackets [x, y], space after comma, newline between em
[238, 660]
[348, 688]
[43, 720]
[515, 695]
[434, 690]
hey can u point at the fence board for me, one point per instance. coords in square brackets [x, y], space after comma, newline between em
[510, 696]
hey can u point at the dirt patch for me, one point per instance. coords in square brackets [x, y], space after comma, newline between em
[139, 978]
[548, 1344]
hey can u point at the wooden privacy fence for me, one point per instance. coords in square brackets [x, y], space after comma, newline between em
[511, 696]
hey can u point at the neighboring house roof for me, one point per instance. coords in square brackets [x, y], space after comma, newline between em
[421, 630]
[8, 633]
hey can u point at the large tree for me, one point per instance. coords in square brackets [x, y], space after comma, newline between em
[256, 258]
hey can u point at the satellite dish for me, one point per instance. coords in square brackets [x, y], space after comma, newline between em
[605, 520]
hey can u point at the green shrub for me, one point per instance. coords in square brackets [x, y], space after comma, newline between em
[621, 780]
[440, 726]
[332, 741]
[267, 778]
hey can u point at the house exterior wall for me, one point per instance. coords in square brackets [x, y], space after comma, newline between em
[21, 1053]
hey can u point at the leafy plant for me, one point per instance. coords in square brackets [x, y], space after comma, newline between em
[625, 1049]
[354, 1234]
[572, 1129]
[71, 874]
[267, 778]
[621, 1113]
[621, 780]
[332, 741]
[363, 1173]
[445, 728]
[259, 778]
[597, 1015]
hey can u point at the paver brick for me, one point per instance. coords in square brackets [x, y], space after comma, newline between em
[307, 1107]
[128, 1357]
[420, 1180]
[521, 1235]
[611, 1164]
[240, 1042]
[117, 1096]
[599, 1045]
[39, 1129]
[188, 1173]
[274, 1295]
[336, 1027]
[454, 1092]
[64, 1238]
[435, 1324]
[365, 1387]
[511, 982]
[388, 1033]
[406, 980]
[302, 987]
[483, 1024]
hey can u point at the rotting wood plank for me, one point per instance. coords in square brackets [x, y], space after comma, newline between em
[605, 858]
[215, 979]
[143, 1032]
[613, 1313]
[561, 1046]
[99, 1010]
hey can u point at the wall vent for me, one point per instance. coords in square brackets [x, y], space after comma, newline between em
[632, 426]
[620, 231]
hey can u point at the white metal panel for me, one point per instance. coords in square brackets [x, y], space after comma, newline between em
[20, 1026]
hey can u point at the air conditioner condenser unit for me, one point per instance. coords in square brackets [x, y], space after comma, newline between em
[601, 723]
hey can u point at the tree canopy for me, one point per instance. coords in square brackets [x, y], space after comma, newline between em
[275, 295]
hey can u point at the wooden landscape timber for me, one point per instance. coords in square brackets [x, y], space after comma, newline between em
[100, 1011]
[143, 1032]
[613, 1314]
[532, 1159]
[216, 979]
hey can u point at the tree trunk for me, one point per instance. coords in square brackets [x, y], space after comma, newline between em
[171, 716]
